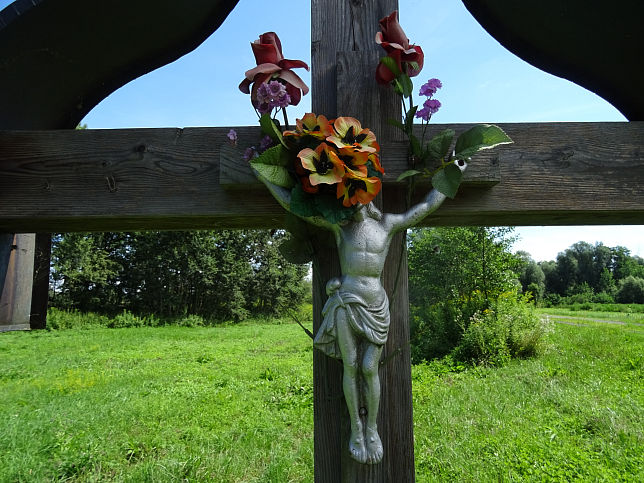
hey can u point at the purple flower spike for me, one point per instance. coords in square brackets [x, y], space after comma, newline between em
[232, 137]
[430, 88]
[432, 105]
[263, 94]
[250, 153]
[423, 114]
[276, 88]
[265, 143]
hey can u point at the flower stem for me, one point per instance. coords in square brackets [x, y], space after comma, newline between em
[285, 119]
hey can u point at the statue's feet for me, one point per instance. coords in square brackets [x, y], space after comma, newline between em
[373, 447]
[357, 448]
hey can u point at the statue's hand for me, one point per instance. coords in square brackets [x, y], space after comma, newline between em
[462, 164]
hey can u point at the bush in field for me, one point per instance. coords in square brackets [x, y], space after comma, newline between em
[508, 328]
[126, 319]
[455, 273]
[64, 319]
[631, 290]
[191, 321]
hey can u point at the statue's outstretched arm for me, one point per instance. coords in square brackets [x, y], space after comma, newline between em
[283, 197]
[431, 202]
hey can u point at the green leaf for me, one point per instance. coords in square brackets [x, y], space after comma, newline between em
[416, 148]
[271, 165]
[409, 119]
[414, 66]
[483, 136]
[302, 203]
[395, 123]
[407, 85]
[294, 251]
[332, 209]
[438, 147]
[398, 88]
[408, 173]
[270, 129]
[447, 180]
[391, 64]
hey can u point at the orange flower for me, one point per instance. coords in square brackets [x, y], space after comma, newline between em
[354, 160]
[323, 163]
[375, 162]
[357, 189]
[311, 125]
[349, 133]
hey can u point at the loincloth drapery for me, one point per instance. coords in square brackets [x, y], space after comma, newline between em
[370, 322]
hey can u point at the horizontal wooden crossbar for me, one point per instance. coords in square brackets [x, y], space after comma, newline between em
[136, 179]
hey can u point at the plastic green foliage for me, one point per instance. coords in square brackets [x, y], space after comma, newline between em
[270, 129]
[439, 145]
[483, 136]
[408, 173]
[271, 165]
[447, 180]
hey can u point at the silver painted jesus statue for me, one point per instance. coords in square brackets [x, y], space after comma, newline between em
[356, 314]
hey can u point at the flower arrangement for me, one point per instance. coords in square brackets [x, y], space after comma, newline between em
[330, 166]
[434, 159]
[333, 166]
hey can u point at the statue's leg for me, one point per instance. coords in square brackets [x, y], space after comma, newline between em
[348, 343]
[370, 365]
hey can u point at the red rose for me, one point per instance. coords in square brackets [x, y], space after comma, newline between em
[392, 38]
[271, 64]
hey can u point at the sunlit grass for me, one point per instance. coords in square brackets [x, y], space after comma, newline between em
[235, 403]
[625, 317]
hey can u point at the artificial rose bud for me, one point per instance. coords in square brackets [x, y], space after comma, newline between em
[392, 38]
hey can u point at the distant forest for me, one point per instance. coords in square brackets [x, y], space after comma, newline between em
[585, 273]
[233, 274]
[223, 275]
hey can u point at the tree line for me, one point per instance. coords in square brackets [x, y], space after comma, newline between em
[470, 296]
[585, 273]
[222, 275]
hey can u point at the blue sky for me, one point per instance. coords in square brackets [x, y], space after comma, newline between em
[482, 82]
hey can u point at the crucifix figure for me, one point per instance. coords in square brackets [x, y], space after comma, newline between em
[356, 314]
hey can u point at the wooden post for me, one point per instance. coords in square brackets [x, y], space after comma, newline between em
[344, 58]
[15, 302]
[40, 291]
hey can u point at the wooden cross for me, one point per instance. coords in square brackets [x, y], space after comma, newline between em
[138, 179]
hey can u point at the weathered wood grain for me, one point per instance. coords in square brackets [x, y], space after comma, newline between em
[101, 180]
[344, 56]
[15, 300]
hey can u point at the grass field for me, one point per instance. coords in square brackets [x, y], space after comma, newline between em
[234, 404]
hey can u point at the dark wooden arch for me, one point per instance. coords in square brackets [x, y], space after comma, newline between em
[60, 58]
[596, 45]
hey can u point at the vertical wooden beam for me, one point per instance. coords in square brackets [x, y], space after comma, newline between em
[6, 241]
[15, 302]
[40, 291]
[344, 57]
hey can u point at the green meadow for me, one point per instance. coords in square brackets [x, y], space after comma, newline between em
[234, 403]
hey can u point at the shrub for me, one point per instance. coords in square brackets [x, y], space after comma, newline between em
[435, 330]
[631, 290]
[125, 319]
[509, 328]
[191, 321]
[72, 319]
[603, 298]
